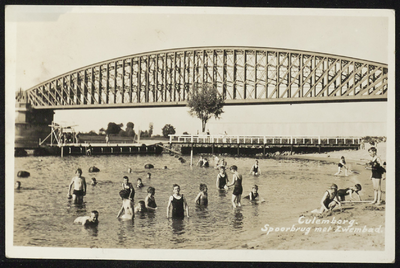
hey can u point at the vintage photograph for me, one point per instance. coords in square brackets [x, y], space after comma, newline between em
[203, 134]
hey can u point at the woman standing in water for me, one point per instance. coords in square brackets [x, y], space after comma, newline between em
[238, 189]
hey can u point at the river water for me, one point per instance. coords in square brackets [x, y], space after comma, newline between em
[43, 216]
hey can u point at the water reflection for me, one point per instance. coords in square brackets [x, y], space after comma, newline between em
[178, 226]
[237, 221]
[92, 230]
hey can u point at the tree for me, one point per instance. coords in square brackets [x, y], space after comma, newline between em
[168, 129]
[113, 128]
[129, 129]
[205, 102]
[151, 127]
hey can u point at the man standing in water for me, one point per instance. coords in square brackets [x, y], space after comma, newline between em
[79, 184]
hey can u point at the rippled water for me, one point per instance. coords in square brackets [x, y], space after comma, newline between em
[43, 216]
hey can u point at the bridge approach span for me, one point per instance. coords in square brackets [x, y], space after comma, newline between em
[242, 75]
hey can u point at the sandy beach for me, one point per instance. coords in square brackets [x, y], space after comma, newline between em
[359, 226]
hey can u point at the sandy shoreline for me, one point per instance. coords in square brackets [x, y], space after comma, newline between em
[360, 226]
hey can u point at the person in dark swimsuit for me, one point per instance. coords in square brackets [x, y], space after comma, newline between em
[349, 191]
[178, 203]
[377, 170]
[150, 201]
[237, 189]
[222, 179]
[255, 169]
[126, 185]
[342, 165]
[254, 196]
[329, 200]
[202, 197]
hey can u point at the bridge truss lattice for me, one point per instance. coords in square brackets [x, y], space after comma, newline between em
[242, 75]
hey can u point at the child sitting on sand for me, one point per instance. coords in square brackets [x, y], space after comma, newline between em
[349, 191]
[202, 197]
[93, 219]
[342, 164]
[254, 196]
[329, 200]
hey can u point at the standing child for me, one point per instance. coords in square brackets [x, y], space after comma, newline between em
[150, 201]
[178, 203]
[127, 205]
[342, 164]
[126, 185]
[78, 183]
[202, 197]
[349, 191]
[238, 189]
[222, 179]
[377, 170]
[255, 169]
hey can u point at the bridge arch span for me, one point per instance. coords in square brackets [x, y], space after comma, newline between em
[243, 75]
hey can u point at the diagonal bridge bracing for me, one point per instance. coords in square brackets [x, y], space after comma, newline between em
[242, 75]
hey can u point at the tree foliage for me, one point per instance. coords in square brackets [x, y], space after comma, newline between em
[129, 129]
[113, 128]
[168, 129]
[205, 102]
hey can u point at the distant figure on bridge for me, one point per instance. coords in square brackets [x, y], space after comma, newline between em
[255, 169]
[78, 183]
[107, 138]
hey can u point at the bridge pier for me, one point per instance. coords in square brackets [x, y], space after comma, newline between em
[30, 124]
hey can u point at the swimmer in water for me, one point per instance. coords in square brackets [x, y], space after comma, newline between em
[93, 219]
[139, 183]
[94, 182]
[17, 185]
[129, 170]
[254, 196]
[222, 179]
[148, 175]
[255, 169]
[202, 197]
[150, 201]
[200, 162]
[78, 183]
[127, 205]
[126, 185]
[140, 207]
[238, 189]
[178, 203]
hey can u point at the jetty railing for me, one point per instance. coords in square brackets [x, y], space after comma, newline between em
[266, 139]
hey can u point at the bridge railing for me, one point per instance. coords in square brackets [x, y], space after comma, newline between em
[265, 139]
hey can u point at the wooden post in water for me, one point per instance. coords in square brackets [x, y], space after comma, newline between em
[191, 155]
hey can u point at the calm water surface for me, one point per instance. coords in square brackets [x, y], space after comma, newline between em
[43, 216]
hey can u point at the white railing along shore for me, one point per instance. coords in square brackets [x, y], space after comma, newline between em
[264, 139]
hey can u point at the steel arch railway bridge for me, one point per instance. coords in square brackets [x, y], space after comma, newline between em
[242, 75]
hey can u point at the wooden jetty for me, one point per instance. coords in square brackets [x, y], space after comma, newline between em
[258, 144]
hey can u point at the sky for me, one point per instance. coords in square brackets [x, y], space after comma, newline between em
[45, 41]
